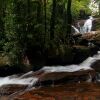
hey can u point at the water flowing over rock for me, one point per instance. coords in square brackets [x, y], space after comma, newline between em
[84, 26]
[31, 78]
[87, 25]
[56, 76]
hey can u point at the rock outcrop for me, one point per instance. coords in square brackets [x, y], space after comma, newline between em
[91, 36]
[86, 38]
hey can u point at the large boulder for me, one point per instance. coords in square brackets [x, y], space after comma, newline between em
[59, 55]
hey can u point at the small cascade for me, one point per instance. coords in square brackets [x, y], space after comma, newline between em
[18, 80]
[85, 65]
[87, 27]
[30, 79]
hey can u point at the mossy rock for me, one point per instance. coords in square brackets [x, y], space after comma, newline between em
[81, 53]
[60, 55]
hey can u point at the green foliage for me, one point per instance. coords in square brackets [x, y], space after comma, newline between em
[79, 5]
[25, 24]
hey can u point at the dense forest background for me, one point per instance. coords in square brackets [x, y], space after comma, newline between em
[38, 32]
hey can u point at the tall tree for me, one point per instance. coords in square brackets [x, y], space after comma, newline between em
[2, 14]
[69, 17]
[45, 15]
[52, 21]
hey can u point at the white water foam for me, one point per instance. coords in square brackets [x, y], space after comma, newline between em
[87, 27]
[27, 74]
[25, 81]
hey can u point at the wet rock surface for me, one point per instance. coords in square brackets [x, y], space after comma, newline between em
[96, 66]
[55, 78]
[10, 89]
[80, 91]
[53, 86]
[93, 37]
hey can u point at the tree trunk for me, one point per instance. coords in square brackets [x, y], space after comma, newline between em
[45, 15]
[39, 11]
[28, 7]
[99, 8]
[69, 17]
[52, 22]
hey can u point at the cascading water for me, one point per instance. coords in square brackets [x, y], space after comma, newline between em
[18, 80]
[28, 79]
[87, 27]
[85, 65]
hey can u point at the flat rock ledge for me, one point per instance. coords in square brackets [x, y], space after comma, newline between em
[94, 35]
[54, 78]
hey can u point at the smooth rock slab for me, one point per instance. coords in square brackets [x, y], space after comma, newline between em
[55, 78]
[81, 91]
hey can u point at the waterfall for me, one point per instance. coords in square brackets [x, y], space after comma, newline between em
[87, 27]
[30, 80]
